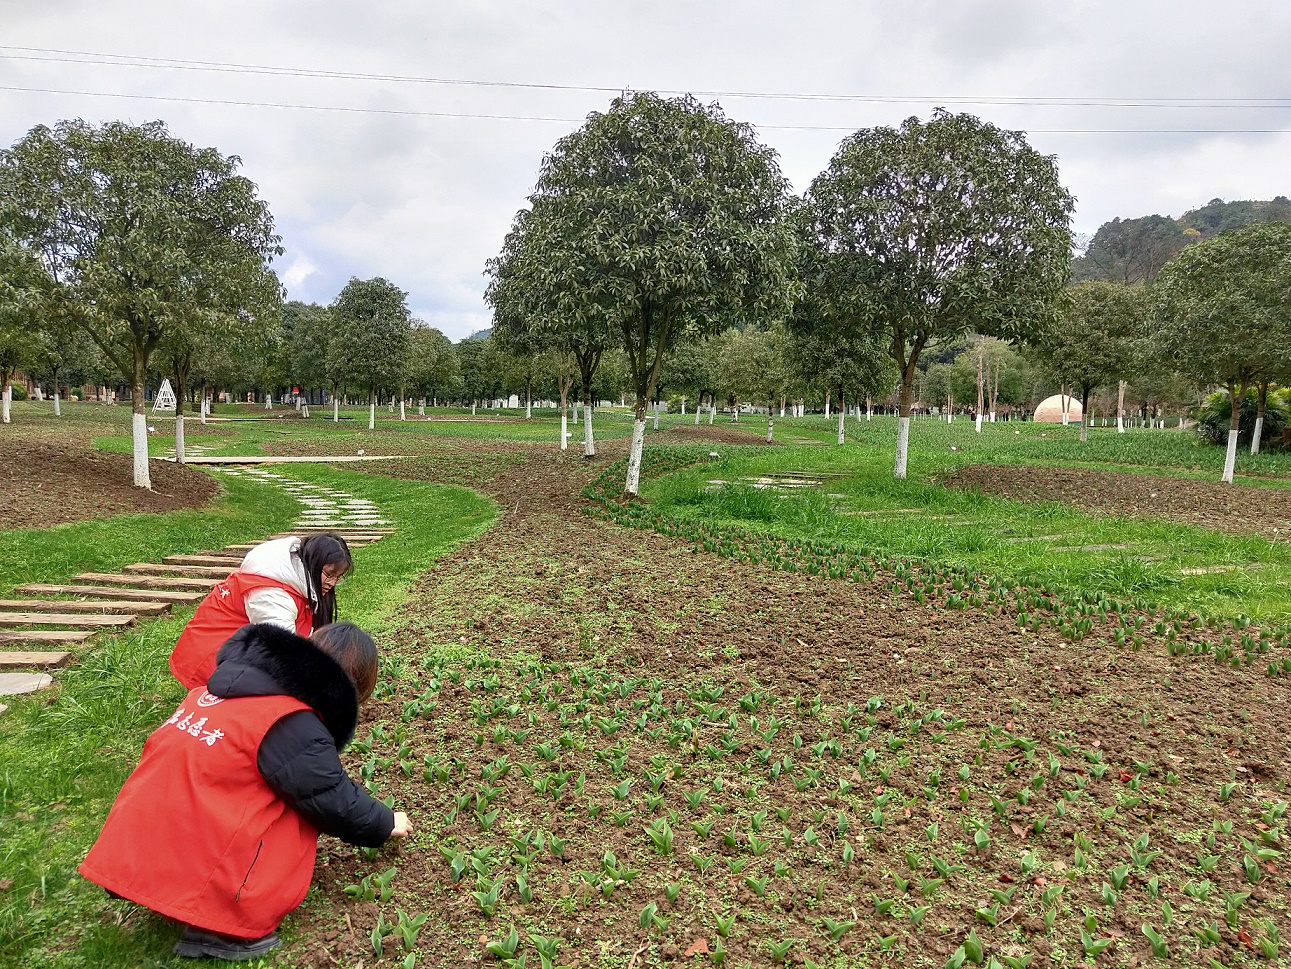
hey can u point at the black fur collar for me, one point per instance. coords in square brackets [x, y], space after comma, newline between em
[266, 660]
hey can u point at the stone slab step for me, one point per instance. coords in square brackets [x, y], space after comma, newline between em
[139, 596]
[216, 572]
[142, 608]
[12, 684]
[231, 560]
[64, 619]
[342, 530]
[151, 581]
[40, 636]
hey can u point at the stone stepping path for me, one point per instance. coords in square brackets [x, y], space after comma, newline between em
[190, 451]
[96, 601]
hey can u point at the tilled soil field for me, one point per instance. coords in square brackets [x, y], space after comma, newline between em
[646, 754]
[1235, 508]
[43, 485]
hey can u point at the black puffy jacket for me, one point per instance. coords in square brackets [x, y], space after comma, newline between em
[299, 757]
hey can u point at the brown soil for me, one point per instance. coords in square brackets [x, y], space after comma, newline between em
[1235, 508]
[43, 485]
[629, 653]
[694, 433]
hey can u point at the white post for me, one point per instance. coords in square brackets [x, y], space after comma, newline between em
[58, 411]
[179, 438]
[634, 458]
[139, 428]
[372, 414]
[903, 445]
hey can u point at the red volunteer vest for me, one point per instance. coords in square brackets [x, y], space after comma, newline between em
[222, 613]
[196, 834]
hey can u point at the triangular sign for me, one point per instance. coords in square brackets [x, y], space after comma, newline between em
[165, 399]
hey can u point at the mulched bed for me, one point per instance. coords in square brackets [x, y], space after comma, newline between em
[42, 485]
[727, 694]
[1235, 508]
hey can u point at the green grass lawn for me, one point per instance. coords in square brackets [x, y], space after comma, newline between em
[66, 754]
[1041, 543]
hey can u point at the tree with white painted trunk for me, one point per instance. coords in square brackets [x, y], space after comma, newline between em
[133, 229]
[433, 369]
[371, 329]
[933, 229]
[537, 300]
[1223, 313]
[667, 221]
[1092, 341]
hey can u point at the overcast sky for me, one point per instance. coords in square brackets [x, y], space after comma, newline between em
[396, 186]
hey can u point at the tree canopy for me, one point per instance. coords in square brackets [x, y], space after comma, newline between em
[138, 233]
[658, 218]
[932, 229]
[368, 346]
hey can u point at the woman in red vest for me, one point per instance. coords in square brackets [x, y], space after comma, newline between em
[218, 825]
[288, 582]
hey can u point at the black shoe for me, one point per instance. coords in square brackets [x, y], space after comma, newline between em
[197, 943]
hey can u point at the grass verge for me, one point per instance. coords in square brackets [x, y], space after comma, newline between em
[65, 754]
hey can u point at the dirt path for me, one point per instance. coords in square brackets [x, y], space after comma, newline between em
[1141, 743]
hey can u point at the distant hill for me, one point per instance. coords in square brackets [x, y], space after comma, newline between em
[481, 334]
[1134, 250]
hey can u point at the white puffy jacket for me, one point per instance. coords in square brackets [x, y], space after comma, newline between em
[273, 559]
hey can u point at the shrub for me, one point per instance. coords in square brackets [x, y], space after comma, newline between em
[1214, 413]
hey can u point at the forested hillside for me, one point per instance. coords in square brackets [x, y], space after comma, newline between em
[1134, 250]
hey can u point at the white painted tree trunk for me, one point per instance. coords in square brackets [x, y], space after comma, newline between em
[528, 407]
[268, 401]
[304, 411]
[979, 422]
[992, 417]
[179, 438]
[421, 408]
[372, 415]
[139, 434]
[205, 408]
[58, 410]
[869, 409]
[472, 408]
[402, 416]
[336, 410]
[683, 407]
[827, 407]
[656, 415]
[634, 458]
[589, 443]
[712, 413]
[564, 430]
[1255, 438]
[903, 445]
[1084, 426]
[699, 409]
[6, 400]
[841, 433]
[1230, 460]
[770, 425]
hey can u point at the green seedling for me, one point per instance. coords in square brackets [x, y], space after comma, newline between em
[724, 924]
[780, 949]
[660, 835]
[918, 912]
[488, 900]
[379, 933]
[836, 929]
[758, 885]
[505, 948]
[408, 927]
[1157, 941]
[523, 889]
[1092, 946]
[881, 906]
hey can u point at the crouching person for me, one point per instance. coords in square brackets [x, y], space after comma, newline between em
[218, 825]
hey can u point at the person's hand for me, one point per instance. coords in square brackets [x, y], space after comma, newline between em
[402, 826]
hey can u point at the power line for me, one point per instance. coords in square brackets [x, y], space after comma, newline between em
[98, 58]
[518, 117]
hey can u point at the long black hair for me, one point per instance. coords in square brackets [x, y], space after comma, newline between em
[316, 552]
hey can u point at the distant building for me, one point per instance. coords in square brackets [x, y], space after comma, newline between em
[1050, 410]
